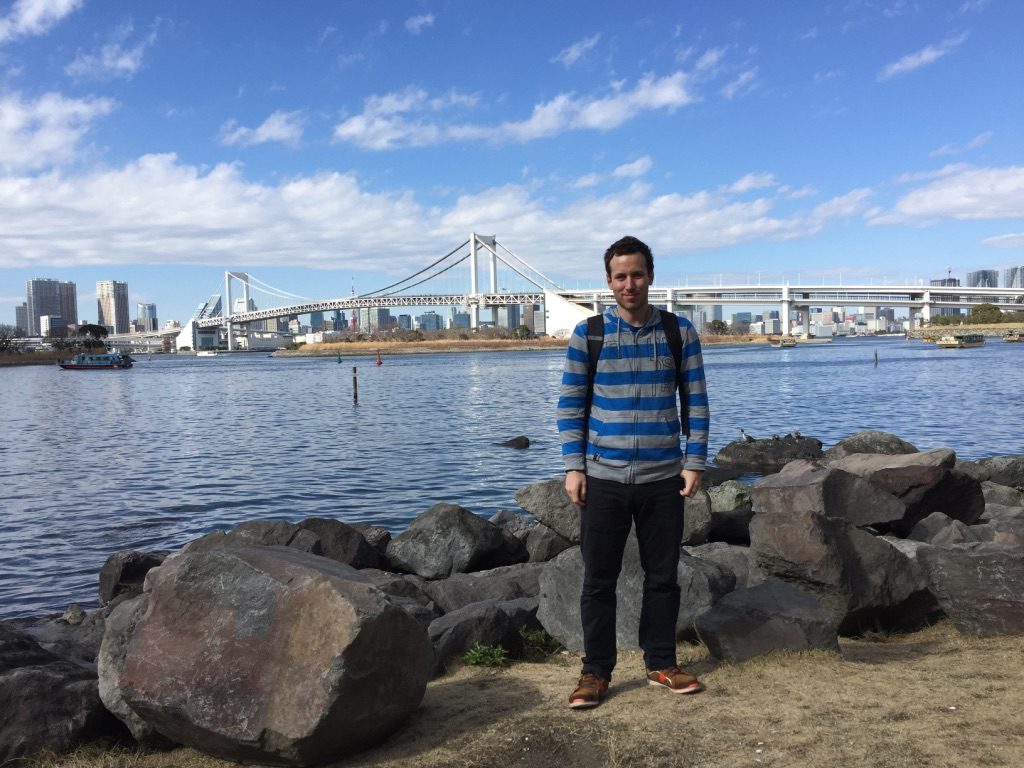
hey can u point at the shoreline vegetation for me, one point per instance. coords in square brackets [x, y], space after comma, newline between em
[887, 701]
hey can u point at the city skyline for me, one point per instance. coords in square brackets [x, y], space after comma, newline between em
[346, 146]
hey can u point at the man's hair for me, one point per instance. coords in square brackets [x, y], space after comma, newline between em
[628, 244]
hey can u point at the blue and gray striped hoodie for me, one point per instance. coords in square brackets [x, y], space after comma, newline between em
[634, 432]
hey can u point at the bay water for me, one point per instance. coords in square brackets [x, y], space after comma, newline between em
[150, 458]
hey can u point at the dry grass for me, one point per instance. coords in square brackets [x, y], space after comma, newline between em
[932, 699]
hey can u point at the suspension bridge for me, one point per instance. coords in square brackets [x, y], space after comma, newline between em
[454, 280]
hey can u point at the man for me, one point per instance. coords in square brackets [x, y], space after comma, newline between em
[624, 464]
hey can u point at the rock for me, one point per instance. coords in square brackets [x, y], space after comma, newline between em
[376, 536]
[449, 539]
[549, 503]
[262, 533]
[971, 468]
[862, 581]
[1005, 470]
[77, 642]
[342, 542]
[521, 441]
[768, 455]
[995, 512]
[398, 585]
[483, 622]
[124, 571]
[868, 441]
[271, 655]
[979, 586]
[941, 529]
[517, 524]
[1004, 495]
[737, 560]
[544, 543]
[505, 583]
[696, 518]
[771, 616]
[47, 702]
[701, 584]
[731, 511]
[806, 486]
[715, 476]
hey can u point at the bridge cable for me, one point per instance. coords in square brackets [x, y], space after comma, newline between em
[417, 274]
[425, 279]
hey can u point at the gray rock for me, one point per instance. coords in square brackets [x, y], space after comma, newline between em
[771, 616]
[124, 572]
[971, 468]
[979, 586]
[731, 512]
[702, 583]
[738, 560]
[517, 524]
[1004, 495]
[342, 542]
[376, 536]
[696, 518]
[261, 533]
[862, 581]
[271, 655]
[544, 543]
[77, 642]
[549, 503]
[868, 441]
[767, 455]
[1005, 470]
[484, 622]
[520, 441]
[995, 512]
[47, 702]
[505, 583]
[806, 486]
[449, 539]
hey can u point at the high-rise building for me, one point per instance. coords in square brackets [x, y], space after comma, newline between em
[145, 317]
[508, 316]
[1013, 277]
[947, 282]
[112, 305]
[983, 278]
[21, 318]
[316, 321]
[54, 298]
[430, 321]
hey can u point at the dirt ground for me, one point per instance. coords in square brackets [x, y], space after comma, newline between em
[932, 699]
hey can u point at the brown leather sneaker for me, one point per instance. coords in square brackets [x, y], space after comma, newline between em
[675, 679]
[589, 691]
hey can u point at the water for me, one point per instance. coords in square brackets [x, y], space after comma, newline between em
[150, 458]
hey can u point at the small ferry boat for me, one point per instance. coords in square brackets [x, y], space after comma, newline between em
[96, 361]
[960, 341]
[1013, 335]
[206, 353]
[782, 342]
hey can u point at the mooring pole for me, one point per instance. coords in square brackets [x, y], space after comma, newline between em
[355, 385]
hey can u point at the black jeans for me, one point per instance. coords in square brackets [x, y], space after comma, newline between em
[611, 508]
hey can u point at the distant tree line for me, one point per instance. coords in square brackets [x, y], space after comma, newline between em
[982, 314]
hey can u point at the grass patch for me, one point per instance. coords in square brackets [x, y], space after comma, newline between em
[481, 655]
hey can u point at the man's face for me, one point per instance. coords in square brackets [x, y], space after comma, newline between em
[629, 281]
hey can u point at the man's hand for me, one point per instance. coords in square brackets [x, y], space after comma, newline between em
[576, 487]
[691, 481]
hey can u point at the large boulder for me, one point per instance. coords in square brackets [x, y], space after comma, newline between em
[702, 583]
[449, 539]
[124, 572]
[731, 512]
[483, 622]
[806, 486]
[74, 636]
[979, 586]
[549, 503]
[544, 543]
[868, 441]
[1005, 470]
[1004, 495]
[767, 455]
[736, 559]
[47, 702]
[862, 581]
[771, 616]
[269, 655]
[342, 542]
[696, 518]
[507, 582]
[258, 533]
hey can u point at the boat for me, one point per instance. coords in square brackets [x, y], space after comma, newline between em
[782, 342]
[97, 361]
[960, 341]
[206, 353]
[379, 361]
[1013, 335]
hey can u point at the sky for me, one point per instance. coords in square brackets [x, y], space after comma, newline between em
[326, 147]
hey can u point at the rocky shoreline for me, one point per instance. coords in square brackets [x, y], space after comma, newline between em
[217, 646]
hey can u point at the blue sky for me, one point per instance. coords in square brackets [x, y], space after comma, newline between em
[321, 145]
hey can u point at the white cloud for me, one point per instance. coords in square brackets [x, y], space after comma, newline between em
[41, 133]
[946, 170]
[115, 59]
[635, 169]
[953, 149]
[922, 58]
[569, 56]
[34, 17]
[587, 181]
[966, 195]
[709, 59]
[1015, 240]
[285, 127]
[396, 119]
[416, 24]
[744, 83]
[752, 181]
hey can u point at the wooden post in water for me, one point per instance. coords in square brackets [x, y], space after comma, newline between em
[355, 385]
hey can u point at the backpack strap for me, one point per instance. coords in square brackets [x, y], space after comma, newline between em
[595, 341]
[670, 322]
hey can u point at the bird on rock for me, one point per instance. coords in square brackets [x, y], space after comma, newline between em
[746, 438]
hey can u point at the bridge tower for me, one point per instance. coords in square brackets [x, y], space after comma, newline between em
[229, 307]
[489, 244]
